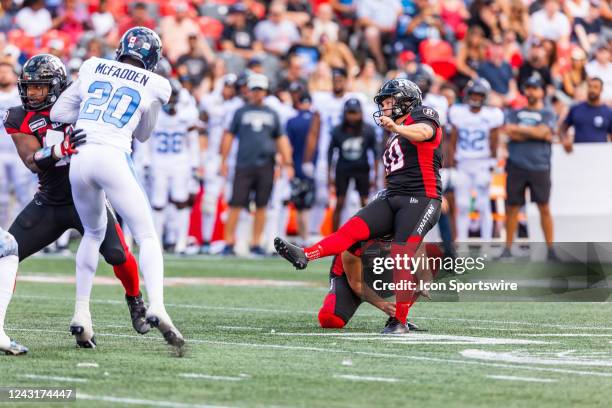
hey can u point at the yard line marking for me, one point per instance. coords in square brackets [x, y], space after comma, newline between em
[54, 378]
[365, 378]
[214, 377]
[361, 353]
[509, 357]
[314, 312]
[137, 401]
[528, 379]
[240, 328]
[418, 338]
[563, 335]
[174, 281]
[87, 365]
[492, 328]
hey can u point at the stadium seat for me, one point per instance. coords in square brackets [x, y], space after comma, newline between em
[439, 55]
[210, 27]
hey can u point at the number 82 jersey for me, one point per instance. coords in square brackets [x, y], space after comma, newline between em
[474, 130]
[113, 98]
[413, 168]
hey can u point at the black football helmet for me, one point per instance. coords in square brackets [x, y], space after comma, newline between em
[44, 69]
[407, 97]
[142, 44]
[478, 86]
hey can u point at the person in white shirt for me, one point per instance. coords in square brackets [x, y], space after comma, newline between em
[474, 139]
[114, 102]
[601, 67]
[550, 22]
[276, 33]
[380, 20]
[34, 19]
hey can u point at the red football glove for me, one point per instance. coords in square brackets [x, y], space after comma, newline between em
[72, 139]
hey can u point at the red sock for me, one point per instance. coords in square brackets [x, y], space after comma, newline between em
[127, 272]
[401, 311]
[354, 230]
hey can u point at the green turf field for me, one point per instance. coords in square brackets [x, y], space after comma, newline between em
[256, 343]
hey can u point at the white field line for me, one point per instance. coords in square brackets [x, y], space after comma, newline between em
[240, 328]
[359, 353]
[418, 338]
[563, 335]
[492, 328]
[527, 379]
[365, 378]
[54, 378]
[135, 401]
[214, 377]
[174, 281]
[509, 357]
[87, 365]
[314, 312]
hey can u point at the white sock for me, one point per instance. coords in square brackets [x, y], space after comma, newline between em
[158, 219]
[81, 309]
[8, 273]
[182, 228]
[151, 262]
[208, 226]
[87, 258]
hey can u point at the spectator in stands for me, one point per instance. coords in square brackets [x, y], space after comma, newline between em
[485, 14]
[591, 120]
[139, 16]
[426, 23]
[498, 72]
[102, 20]
[587, 29]
[307, 48]
[536, 62]
[295, 73]
[238, 34]
[276, 33]
[177, 29]
[576, 74]
[34, 19]
[192, 66]
[515, 18]
[299, 11]
[453, 14]
[601, 67]
[530, 130]
[352, 140]
[369, 80]
[324, 23]
[260, 136]
[470, 55]
[379, 19]
[550, 23]
[338, 55]
[72, 19]
[321, 79]
[8, 11]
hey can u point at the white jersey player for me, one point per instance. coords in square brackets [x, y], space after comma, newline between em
[9, 260]
[114, 101]
[219, 108]
[13, 174]
[174, 161]
[475, 133]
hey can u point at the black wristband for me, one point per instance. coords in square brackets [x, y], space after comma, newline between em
[44, 158]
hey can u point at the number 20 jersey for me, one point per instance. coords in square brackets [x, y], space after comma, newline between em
[114, 96]
[473, 130]
[413, 168]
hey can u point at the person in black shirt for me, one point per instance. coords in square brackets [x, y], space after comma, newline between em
[238, 35]
[352, 139]
[536, 63]
[192, 67]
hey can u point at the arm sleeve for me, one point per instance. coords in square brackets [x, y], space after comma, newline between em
[13, 120]
[66, 109]
[511, 117]
[147, 122]
[499, 118]
[235, 123]
[569, 119]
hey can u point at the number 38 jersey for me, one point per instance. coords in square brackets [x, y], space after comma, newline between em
[413, 168]
[113, 97]
[173, 139]
[473, 130]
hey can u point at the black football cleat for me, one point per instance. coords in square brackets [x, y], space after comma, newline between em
[138, 312]
[414, 327]
[84, 338]
[290, 252]
[394, 326]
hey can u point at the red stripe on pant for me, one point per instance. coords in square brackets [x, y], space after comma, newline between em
[127, 272]
[327, 318]
[353, 231]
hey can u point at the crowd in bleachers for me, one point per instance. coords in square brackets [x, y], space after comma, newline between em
[299, 44]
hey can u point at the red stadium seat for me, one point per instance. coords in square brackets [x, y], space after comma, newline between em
[210, 27]
[439, 55]
[26, 44]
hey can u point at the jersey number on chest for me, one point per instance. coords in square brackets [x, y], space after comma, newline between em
[393, 159]
[118, 111]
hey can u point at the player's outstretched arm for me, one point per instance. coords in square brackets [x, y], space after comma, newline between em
[416, 132]
[66, 109]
